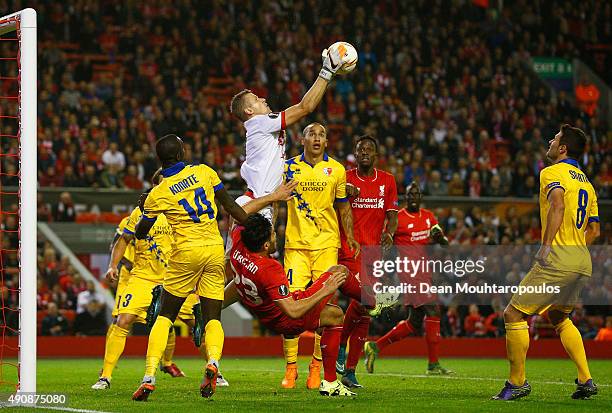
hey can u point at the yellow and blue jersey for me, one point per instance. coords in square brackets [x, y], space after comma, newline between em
[569, 251]
[150, 254]
[312, 223]
[186, 196]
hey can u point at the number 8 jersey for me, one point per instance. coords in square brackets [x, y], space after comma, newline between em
[186, 196]
[569, 251]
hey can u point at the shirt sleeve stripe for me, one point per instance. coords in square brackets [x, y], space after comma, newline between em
[554, 187]
[345, 199]
[283, 122]
[150, 219]
[127, 231]
[593, 219]
[218, 187]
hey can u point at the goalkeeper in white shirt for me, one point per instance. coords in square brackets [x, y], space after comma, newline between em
[265, 131]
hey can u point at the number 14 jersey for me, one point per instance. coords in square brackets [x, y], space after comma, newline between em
[186, 196]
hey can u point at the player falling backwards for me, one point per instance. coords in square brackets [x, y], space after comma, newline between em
[312, 235]
[373, 198]
[261, 285]
[570, 222]
[150, 262]
[265, 130]
[186, 197]
[416, 226]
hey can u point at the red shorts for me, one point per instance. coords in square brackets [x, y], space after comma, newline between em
[310, 320]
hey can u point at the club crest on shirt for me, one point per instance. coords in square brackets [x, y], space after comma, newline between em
[283, 290]
[327, 171]
[382, 190]
[428, 222]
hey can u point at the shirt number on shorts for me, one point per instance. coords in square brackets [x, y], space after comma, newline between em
[126, 300]
[201, 203]
[583, 201]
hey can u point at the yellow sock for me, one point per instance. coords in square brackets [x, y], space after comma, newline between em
[290, 348]
[316, 354]
[115, 343]
[158, 338]
[110, 328]
[213, 339]
[572, 342]
[169, 351]
[517, 344]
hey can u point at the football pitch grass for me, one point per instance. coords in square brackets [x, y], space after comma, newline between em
[397, 385]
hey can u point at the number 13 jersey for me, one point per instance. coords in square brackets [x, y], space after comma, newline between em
[186, 196]
[569, 251]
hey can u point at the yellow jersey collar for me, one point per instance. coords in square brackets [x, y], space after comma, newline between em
[571, 161]
[173, 170]
[303, 159]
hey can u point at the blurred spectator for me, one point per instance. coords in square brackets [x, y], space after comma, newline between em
[88, 296]
[43, 212]
[605, 333]
[114, 158]
[54, 324]
[587, 96]
[473, 324]
[64, 210]
[91, 321]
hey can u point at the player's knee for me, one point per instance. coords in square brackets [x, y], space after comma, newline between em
[556, 317]
[332, 315]
[125, 321]
[512, 315]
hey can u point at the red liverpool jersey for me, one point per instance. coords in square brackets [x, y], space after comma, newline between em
[414, 229]
[259, 281]
[377, 195]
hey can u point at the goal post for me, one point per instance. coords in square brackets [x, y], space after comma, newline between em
[24, 23]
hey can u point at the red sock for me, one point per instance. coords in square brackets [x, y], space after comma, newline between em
[358, 338]
[432, 336]
[402, 330]
[351, 287]
[330, 342]
[351, 318]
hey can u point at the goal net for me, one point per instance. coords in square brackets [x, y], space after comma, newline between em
[18, 175]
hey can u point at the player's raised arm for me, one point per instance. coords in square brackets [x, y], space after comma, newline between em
[282, 193]
[331, 63]
[231, 206]
[554, 218]
[297, 308]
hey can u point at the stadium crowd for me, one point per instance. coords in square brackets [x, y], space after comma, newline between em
[443, 86]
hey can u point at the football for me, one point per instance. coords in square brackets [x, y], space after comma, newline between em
[349, 57]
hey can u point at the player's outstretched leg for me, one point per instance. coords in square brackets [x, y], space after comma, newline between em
[572, 342]
[314, 368]
[213, 341]
[356, 343]
[115, 344]
[432, 338]
[158, 339]
[350, 322]
[331, 319]
[290, 349]
[517, 344]
[371, 348]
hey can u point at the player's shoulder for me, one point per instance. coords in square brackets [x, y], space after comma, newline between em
[123, 223]
[135, 214]
[427, 212]
[293, 161]
[257, 120]
[270, 267]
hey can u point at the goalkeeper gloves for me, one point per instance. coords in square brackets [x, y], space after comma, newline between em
[332, 61]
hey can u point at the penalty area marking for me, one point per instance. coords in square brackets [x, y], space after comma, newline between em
[426, 376]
